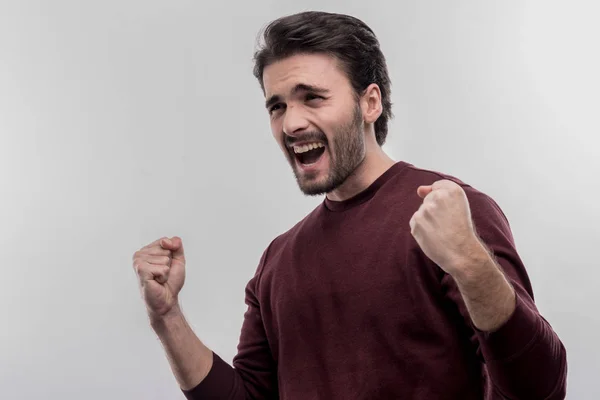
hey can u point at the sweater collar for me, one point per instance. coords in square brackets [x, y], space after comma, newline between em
[367, 193]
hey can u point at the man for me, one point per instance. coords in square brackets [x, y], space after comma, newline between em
[403, 284]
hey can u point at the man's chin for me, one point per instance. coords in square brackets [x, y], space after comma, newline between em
[313, 185]
[311, 190]
[313, 180]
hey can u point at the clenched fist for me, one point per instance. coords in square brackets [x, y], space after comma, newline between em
[442, 226]
[160, 267]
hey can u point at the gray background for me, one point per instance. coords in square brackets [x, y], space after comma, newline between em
[123, 121]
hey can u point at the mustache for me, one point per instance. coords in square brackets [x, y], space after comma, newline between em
[306, 137]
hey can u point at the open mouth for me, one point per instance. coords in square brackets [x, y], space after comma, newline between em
[310, 153]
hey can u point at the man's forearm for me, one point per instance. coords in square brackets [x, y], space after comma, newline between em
[489, 297]
[189, 358]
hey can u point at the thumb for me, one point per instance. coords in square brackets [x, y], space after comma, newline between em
[423, 191]
[175, 244]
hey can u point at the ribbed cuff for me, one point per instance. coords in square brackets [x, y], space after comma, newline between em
[218, 380]
[514, 337]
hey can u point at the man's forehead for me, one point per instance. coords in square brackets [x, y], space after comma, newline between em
[283, 76]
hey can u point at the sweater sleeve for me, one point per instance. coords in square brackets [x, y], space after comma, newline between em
[524, 358]
[254, 372]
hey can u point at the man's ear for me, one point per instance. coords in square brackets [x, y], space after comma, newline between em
[370, 103]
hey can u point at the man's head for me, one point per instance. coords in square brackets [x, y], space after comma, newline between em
[327, 89]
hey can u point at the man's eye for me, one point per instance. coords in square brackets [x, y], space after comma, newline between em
[310, 97]
[274, 108]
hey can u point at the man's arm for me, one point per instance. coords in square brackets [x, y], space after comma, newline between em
[524, 357]
[489, 297]
[189, 358]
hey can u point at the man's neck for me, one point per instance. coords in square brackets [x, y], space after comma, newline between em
[375, 163]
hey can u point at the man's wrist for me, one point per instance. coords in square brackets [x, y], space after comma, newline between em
[472, 264]
[160, 322]
[489, 296]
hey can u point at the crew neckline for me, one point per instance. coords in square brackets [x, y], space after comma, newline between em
[366, 194]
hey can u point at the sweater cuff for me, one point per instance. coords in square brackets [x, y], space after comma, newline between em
[218, 378]
[514, 337]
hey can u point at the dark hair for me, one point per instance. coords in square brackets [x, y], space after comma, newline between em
[344, 37]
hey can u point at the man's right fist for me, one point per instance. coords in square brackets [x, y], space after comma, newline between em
[160, 267]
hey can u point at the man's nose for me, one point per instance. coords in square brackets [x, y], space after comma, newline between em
[294, 122]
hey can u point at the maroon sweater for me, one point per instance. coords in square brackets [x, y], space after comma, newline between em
[346, 306]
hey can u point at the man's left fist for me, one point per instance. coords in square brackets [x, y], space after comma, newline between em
[442, 226]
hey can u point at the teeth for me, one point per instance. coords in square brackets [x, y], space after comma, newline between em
[307, 147]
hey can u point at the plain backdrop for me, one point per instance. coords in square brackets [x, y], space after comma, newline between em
[124, 121]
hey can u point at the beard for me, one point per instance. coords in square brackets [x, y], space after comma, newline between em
[346, 152]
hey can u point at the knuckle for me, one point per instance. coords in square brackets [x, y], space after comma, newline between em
[139, 266]
[414, 220]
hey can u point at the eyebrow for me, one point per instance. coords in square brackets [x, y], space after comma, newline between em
[301, 87]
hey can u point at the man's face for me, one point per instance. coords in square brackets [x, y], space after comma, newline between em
[316, 119]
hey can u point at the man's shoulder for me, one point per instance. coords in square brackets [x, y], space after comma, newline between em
[478, 198]
[292, 234]
[300, 226]
[423, 176]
